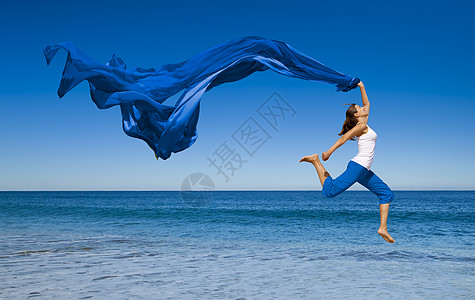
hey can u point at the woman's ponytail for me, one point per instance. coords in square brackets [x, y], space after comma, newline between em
[350, 120]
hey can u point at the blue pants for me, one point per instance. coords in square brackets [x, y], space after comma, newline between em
[357, 173]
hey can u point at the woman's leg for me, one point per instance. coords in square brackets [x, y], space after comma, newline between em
[372, 182]
[383, 228]
[314, 160]
[333, 187]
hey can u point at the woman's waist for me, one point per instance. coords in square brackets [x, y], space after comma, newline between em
[364, 164]
[365, 154]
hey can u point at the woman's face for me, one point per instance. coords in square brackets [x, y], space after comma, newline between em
[361, 111]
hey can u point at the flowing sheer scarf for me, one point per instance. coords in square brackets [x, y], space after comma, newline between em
[141, 92]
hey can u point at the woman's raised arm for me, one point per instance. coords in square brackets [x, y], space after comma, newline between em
[364, 97]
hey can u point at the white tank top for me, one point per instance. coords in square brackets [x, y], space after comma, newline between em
[366, 145]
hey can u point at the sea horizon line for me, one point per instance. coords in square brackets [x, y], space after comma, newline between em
[240, 190]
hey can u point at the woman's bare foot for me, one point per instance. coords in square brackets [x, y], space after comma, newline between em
[310, 158]
[385, 234]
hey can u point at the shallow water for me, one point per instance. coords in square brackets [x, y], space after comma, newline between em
[239, 245]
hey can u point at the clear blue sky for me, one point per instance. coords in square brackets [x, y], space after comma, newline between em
[415, 58]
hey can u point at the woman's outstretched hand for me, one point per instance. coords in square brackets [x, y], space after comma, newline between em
[326, 155]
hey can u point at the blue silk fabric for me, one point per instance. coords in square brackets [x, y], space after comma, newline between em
[141, 92]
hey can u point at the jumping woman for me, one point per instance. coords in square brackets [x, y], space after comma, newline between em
[358, 169]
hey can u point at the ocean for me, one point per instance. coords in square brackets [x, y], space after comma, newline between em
[235, 245]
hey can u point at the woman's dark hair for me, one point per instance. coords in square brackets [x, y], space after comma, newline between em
[350, 121]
